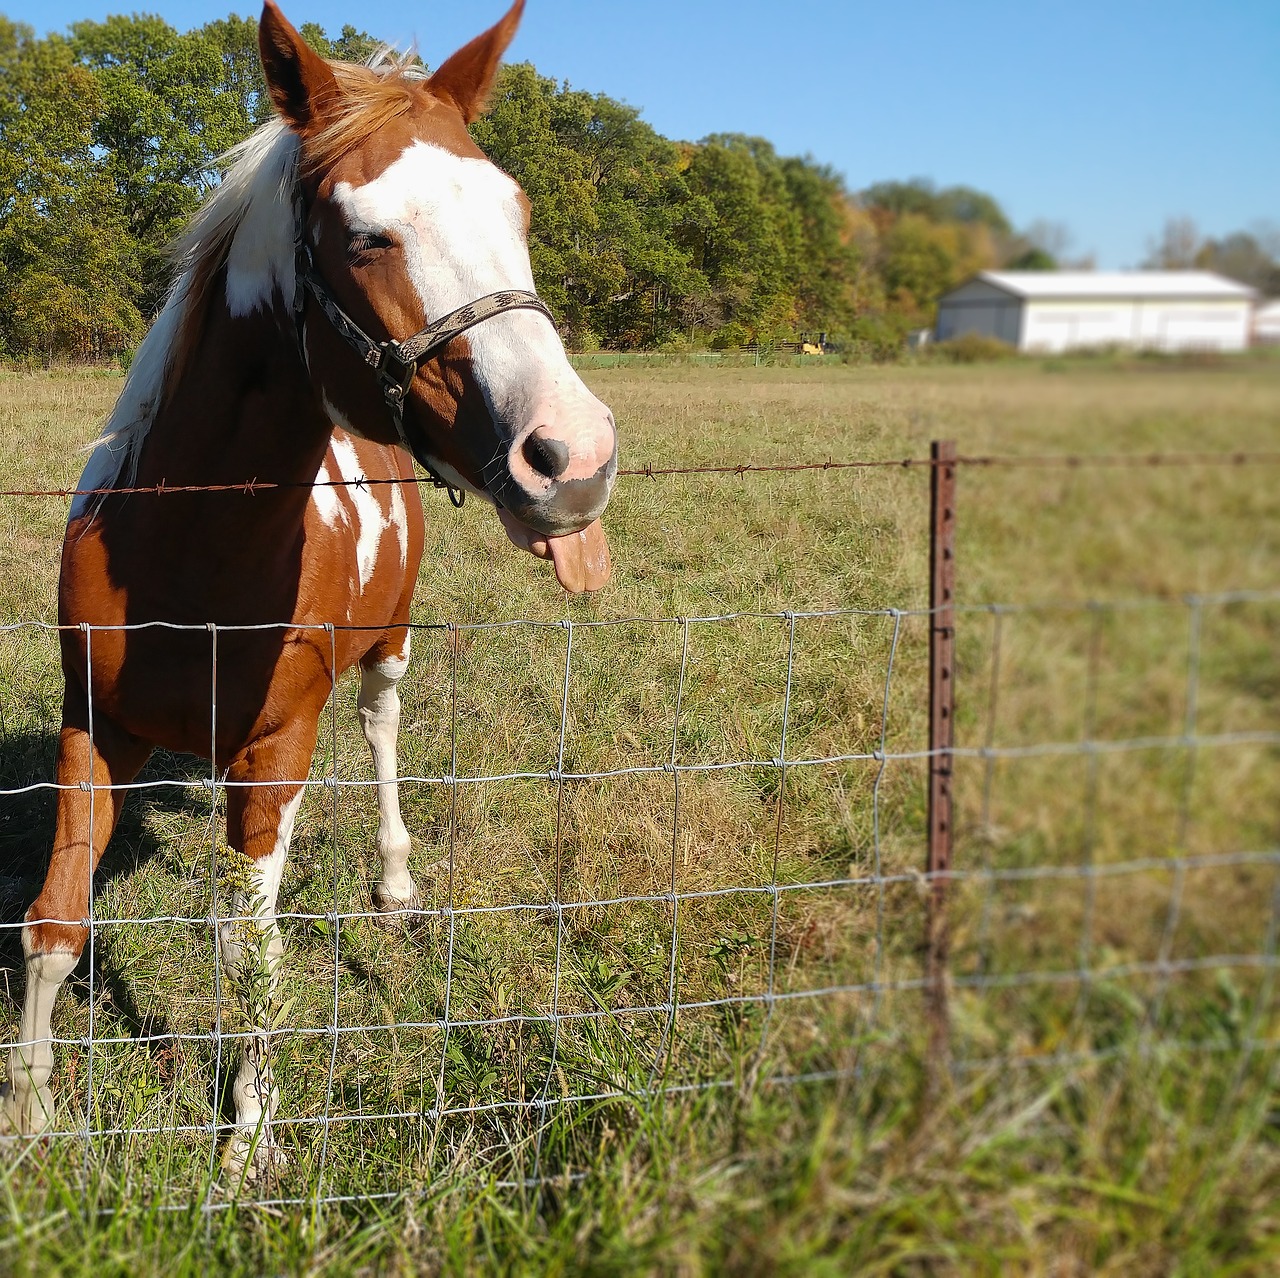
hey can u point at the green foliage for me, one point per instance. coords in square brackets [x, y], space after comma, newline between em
[952, 204]
[161, 122]
[916, 242]
[66, 260]
[881, 336]
[111, 139]
[1033, 259]
[1243, 256]
[730, 336]
[350, 46]
[918, 266]
[605, 190]
[112, 134]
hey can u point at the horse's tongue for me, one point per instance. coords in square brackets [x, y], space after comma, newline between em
[581, 559]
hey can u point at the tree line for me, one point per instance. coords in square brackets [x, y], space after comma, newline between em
[1252, 256]
[110, 135]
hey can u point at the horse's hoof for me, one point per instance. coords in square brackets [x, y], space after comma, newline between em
[26, 1113]
[252, 1158]
[392, 912]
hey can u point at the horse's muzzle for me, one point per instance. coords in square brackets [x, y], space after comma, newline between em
[559, 481]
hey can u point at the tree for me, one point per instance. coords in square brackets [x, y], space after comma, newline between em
[236, 42]
[164, 118]
[826, 267]
[951, 204]
[519, 135]
[743, 233]
[919, 264]
[964, 204]
[351, 46]
[113, 135]
[67, 262]
[1177, 247]
[1033, 259]
[1241, 256]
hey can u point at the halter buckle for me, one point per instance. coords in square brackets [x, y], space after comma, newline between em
[395, 373]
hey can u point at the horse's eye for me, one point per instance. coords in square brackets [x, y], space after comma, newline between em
[366, 243]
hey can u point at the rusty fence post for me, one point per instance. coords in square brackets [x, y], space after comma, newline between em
[942, 643]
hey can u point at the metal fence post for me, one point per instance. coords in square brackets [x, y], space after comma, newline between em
[942, 641]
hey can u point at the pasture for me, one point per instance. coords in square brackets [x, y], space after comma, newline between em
[1122, 1124]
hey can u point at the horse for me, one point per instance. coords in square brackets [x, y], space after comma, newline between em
[298, 346]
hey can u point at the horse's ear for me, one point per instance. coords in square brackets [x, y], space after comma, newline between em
[299, 80]
[466, 78]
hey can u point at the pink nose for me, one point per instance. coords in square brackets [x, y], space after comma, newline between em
[561, 472]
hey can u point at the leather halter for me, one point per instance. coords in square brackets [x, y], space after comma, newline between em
[396, 364]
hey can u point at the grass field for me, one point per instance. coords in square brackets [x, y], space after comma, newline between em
[1126, 1125]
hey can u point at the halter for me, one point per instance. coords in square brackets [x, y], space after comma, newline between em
[396, 364]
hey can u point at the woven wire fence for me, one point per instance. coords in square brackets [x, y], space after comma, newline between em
[661, 856]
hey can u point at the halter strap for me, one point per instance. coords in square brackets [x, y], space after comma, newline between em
[395, 364]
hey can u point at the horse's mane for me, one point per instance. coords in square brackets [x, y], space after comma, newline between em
[245, 226]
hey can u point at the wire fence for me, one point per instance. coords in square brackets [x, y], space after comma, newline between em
[1042, 461]
[679, 854]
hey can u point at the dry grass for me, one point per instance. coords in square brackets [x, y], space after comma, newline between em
[1059, 1170]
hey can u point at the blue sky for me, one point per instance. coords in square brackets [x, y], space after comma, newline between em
[1106, 115]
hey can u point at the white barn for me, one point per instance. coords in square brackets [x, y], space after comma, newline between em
[1066, 310]
[1266, 322]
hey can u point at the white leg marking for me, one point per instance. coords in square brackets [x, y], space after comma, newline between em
[252, 954]
[379, 707]
[26, 1102]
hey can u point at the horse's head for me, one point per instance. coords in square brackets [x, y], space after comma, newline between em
[405, 222]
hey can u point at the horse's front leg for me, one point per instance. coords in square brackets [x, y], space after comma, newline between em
[379, 708]
[55, 934]
[260, 821]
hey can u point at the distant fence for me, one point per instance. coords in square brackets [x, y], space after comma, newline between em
[714, 867]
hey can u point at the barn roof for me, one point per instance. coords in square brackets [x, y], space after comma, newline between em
[1128, 284]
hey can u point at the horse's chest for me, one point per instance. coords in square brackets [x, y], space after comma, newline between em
[363, 534]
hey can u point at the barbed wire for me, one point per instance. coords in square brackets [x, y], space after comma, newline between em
[1046, 461]
[1073, 461]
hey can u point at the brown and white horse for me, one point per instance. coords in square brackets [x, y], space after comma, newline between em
[357, 218]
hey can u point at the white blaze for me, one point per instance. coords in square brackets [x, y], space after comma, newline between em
[460, 226]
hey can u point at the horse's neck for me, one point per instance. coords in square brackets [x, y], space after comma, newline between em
[241, 409]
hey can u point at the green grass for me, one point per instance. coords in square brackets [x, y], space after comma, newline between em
[1156, 1158]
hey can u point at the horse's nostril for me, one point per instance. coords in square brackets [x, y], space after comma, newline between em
[548, 456]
